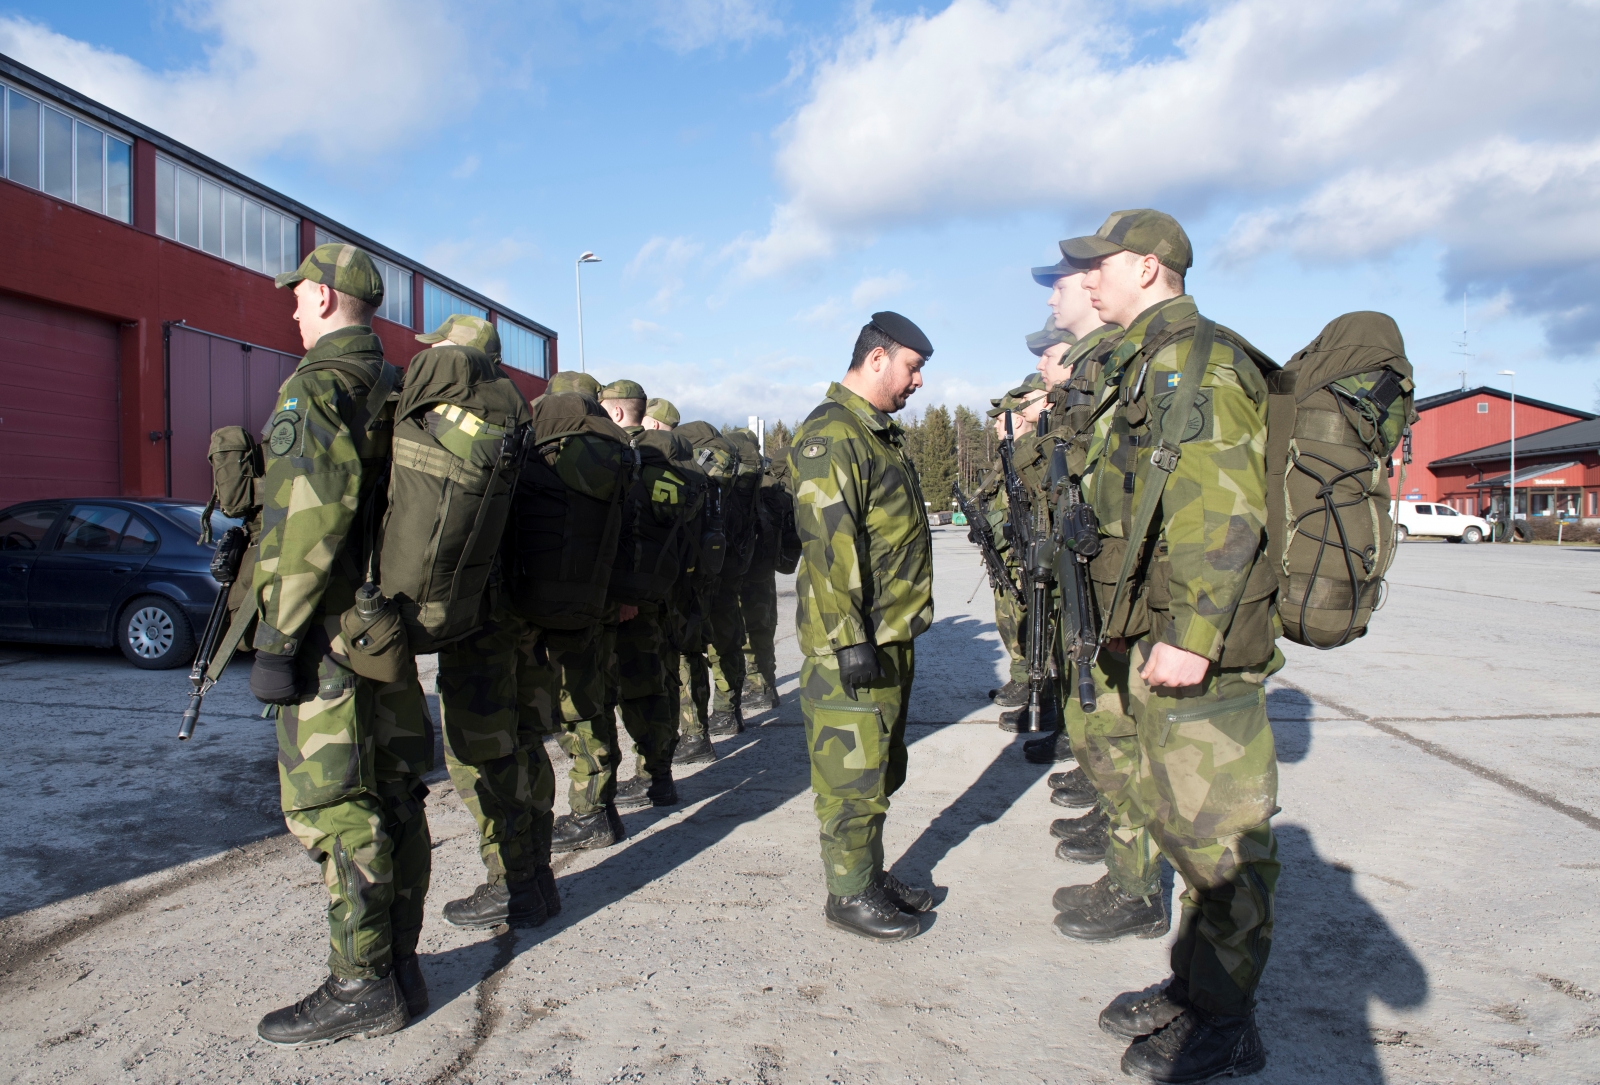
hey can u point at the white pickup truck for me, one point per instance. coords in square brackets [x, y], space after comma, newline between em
[1424, 518]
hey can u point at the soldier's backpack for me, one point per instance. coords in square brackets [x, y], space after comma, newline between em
[459, 425]
[746, 499]
[1336, 414]
[662, 507]
[725, 520]
[566, 519]
[778, 518]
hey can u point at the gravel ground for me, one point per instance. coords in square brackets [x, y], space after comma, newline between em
[1437, 920]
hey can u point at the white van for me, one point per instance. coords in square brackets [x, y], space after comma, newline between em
[1423, 518]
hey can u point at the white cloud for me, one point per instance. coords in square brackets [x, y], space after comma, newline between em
[773, 386]
[686, 25]
[333, 81]
[467, 168]
[663, 261]
[655, 334]
[874, 289]
[480, 264]
[1354, 127]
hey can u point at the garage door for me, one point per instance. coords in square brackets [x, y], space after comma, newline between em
[58, 412]
[216, 381]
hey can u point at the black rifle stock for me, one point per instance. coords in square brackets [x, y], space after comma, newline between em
[1078, 540]
[979, 532]
[1036, 557]
[225, 568]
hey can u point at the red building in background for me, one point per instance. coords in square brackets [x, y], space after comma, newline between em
[1460, 422]
[137, 307]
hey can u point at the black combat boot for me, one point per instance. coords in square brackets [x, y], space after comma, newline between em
[1102, 912]
[545, 879]
[1052, 749]
[871, 914]
[633, 794]
[1087, 842]
[694, 750]
[1010, 695]
[337, 1009]
[1197, 1046]
[725, 722]
[1139, 1013]
[520, 903]
[413, 988]
[1072, 828]
[908, 898]
[662, 791]
[577, 832]
[1016, 721]
[760, 693]
[1072, 790]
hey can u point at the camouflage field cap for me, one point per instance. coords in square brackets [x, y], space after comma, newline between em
[1048, 336]
[466, 331]
[1047, 276]
[622, 390]
[1143, 231]
[345, 268]
[663, 411]
[575, 381]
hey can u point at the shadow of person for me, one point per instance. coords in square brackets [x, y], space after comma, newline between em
[1332, 954]
[1290, 713]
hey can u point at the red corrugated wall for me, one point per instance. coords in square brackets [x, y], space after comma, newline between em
[1458, 427]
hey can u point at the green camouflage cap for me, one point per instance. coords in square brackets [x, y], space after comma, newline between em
[573, 381]
[344, 268]
[1142, 231]
[622, 390]
[663, 411]
[466, 331]
[1048, 336]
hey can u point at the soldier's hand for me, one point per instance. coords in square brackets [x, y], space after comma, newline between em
[272, 679]
[858, 667]
[1173, 668]
[626, 613]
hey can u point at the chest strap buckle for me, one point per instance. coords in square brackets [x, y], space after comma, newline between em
[1165, 457]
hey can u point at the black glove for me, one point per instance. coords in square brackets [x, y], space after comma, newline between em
[858, 667]
[272, 679]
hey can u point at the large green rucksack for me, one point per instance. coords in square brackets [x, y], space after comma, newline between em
[561, 542]
[746, 499]
[662, 509]
[727, 520]
[458, 431]
[1336, 414]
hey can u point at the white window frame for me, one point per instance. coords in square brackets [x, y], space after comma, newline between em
[541, 367]
[289, 250]
[397, 284]
[77, 119]
[457, 304]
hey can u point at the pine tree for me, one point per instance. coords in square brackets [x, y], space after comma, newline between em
[934, 453]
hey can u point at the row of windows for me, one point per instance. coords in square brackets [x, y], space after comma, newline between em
[63, 157]
[198, 212]
[396, 284]
[521, 348]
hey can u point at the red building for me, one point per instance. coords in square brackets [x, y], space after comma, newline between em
[1558, 473]
[1458, 422]
[137, 307]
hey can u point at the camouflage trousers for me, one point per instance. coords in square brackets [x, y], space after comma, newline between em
[494, 697]
[1205, 787]
[725, 652]
[350, 763]
[641, 694]
[588, 720]
[1010, 619]
[858, 760]
[694, 693]
[758, 605]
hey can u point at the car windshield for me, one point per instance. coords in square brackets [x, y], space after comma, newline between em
[189, 517]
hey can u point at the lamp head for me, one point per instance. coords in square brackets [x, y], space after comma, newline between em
[588, 258]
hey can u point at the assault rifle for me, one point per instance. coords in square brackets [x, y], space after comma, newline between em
[1036, 558]
[979, 531]
[225, 569]
[1078, 540]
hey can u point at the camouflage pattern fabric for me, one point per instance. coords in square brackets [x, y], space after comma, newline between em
[1010, 620]
[588, 724]
[725, 650]
[858, 760]
[341, 267]
[866, 570]
[694, 683]
[641, 695]
[758, 606]
[1206, 787]
[494, 701]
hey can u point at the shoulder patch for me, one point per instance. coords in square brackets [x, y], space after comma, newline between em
[812, 447]
[285, 429]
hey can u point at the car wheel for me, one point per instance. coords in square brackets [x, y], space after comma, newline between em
[154, 634]
[1471, 535]
[1400, 533]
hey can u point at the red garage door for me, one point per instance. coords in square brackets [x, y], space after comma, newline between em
[214, 382]
[58, 411]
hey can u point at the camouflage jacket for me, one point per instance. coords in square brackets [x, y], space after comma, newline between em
[1210, 528]
[324, 455]
[866, 566]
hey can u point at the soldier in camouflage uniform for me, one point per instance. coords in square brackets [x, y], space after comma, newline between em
[351, 752]
[776, 548]
[725, 644]
[865, 592]
[490, 698]
[1198, 628]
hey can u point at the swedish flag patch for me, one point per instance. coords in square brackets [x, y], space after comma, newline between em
[1172, 380]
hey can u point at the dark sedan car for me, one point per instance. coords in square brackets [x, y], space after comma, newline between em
[106, 570]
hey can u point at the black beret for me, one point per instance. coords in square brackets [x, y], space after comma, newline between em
[902, 331]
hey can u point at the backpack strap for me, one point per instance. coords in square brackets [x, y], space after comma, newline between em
[1167, 451]
[367, 415]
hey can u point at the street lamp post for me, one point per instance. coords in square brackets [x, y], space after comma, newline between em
[1511, 479]
[577, 275]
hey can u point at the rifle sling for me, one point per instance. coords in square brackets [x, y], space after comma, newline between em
[230, 642]
[1164, 458]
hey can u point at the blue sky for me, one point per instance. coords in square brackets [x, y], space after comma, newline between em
[760, 176]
